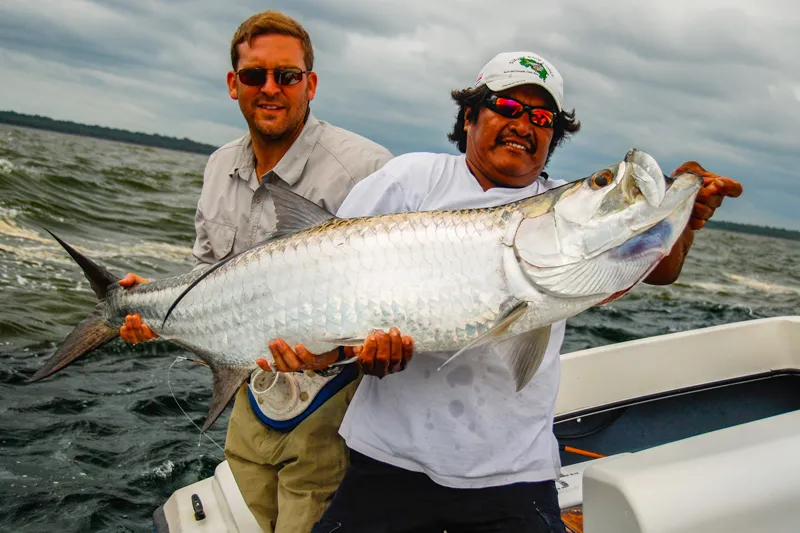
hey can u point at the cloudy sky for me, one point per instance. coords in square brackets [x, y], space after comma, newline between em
[717, 81]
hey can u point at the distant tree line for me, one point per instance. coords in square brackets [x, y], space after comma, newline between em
[754, 230]
[187, 145]
[100, 132]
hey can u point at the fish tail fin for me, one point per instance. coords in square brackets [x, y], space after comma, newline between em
[93, 331]
[100, 279]
[87, 336]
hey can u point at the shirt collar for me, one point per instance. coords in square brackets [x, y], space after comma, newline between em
[244, 163]
[291, 165]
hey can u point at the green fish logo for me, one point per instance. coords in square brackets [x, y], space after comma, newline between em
[535, 66]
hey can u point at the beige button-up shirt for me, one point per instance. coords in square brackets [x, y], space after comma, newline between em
[322, 165]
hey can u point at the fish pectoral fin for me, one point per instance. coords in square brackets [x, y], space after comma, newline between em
[227, 380]
[524, 354]
[497, 332]
[293, 212]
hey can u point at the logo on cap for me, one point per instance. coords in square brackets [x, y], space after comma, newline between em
[535, 65]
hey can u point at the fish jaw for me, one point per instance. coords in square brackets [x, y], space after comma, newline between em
[585, 220]
[608, 255]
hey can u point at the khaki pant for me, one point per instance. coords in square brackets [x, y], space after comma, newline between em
[287, 479]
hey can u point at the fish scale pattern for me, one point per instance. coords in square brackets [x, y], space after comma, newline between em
[439, 279]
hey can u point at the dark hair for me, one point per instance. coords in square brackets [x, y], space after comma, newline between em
[471, 101]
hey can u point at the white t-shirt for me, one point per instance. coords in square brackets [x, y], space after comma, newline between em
[463, 426]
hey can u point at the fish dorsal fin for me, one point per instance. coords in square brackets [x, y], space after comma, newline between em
[294, 213]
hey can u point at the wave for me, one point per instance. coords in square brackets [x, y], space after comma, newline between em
[6, 166]
[762, 286]
[9, 228]
[53, 253]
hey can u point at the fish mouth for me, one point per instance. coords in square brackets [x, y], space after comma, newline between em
[658, 189]
[679, 194]
[647, 176]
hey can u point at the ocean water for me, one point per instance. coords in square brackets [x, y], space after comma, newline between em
[103, 443]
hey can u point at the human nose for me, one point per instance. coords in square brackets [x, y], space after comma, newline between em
[270, 86]
[523, 125]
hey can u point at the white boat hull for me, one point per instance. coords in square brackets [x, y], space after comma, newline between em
[737, 479]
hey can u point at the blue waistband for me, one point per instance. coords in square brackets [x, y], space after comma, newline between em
[348, 374]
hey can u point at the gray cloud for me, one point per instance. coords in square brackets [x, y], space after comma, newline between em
[710, 80]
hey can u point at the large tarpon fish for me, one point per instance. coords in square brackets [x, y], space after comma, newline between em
[452, 280]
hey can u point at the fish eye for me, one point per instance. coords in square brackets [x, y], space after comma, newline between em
[601, 179]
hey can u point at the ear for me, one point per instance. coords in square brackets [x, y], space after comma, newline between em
[467, 123]
[233, 90]
[311, 90]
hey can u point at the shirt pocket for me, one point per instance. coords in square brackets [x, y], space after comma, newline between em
[220, 237]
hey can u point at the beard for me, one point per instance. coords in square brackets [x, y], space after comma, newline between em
[283, 128]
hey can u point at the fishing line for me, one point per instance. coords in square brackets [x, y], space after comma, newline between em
[254, 379]
[200, 439]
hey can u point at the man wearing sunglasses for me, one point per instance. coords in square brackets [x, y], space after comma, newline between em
[459, 450]
[287, 464]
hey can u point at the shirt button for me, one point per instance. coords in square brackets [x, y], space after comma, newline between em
[250, 242]
[258, 199]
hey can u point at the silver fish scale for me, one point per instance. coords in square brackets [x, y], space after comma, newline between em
[439, 279]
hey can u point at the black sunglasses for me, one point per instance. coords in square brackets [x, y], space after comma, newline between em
[510, 108]
[257, 77]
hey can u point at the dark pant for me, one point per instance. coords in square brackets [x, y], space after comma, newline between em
[375, 497]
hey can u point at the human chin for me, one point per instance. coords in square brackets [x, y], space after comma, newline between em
[266, 124]
[513, 169]
[271, 129]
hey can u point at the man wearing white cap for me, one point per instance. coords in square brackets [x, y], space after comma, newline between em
[460, 450]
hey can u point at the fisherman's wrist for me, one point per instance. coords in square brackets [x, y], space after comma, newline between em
[341, 354]
[330, 370]
[335, 356]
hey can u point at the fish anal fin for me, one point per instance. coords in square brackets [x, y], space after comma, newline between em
[227, 381]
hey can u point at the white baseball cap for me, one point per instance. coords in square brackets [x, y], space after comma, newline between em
[510, 69]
